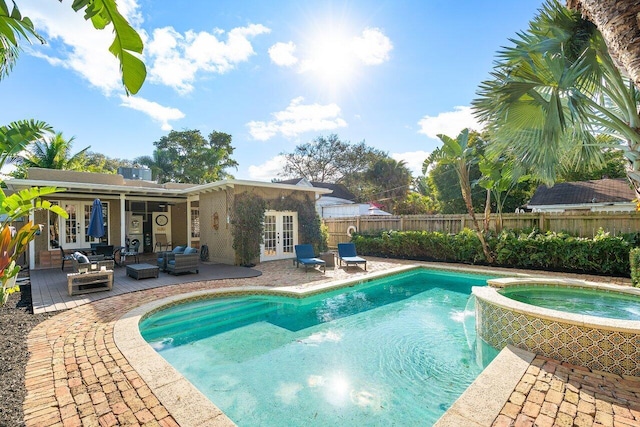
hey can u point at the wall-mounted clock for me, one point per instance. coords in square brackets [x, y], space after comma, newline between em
[162, 220]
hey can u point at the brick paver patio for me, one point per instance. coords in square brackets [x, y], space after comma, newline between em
[76, 376]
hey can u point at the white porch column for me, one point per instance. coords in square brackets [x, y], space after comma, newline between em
[189, 199]
[123, 221]
[32, 243]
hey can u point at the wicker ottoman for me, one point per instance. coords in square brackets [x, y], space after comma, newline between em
[142, 271]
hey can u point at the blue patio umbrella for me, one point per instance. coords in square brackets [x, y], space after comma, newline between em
[96, 221]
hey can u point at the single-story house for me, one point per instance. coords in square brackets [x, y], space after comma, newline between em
[600, 195]
[186, 214]
[339, 202]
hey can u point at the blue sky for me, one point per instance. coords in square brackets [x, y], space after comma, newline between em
[273, 74]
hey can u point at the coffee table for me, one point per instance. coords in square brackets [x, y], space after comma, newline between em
[94, 281]
[142, 271]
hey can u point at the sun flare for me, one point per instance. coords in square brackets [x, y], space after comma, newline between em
[331, 58]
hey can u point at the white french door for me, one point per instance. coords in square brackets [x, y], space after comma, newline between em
[280, 235]
[71, 232]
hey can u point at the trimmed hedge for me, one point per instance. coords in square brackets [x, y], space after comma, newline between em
[604, 255]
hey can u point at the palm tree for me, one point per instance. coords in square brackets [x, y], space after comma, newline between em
[390, 179]
[617, 20]
[160, 165]
[553, 90]
[461, 155]
[15, 137]
[52, 153]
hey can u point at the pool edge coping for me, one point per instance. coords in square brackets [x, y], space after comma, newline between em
[185, 402]
[481, 403]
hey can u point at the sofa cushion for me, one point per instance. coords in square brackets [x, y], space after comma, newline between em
[81, 258]
[190, 250]
[178, 249]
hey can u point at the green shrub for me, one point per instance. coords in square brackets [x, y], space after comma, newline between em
[549, 251]
[634, 262]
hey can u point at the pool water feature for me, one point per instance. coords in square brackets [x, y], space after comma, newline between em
[591, 302]
[387, 352]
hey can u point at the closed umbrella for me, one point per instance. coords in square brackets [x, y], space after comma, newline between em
[96, 222]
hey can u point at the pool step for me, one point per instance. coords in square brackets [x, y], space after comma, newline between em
[207, 324]
[191, 313]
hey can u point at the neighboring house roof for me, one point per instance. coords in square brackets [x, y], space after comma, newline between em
[339, 191]
[602, 191]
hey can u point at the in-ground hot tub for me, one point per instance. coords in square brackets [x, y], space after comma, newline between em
[583, 337]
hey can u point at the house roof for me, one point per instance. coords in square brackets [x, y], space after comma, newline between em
[584, 192]
[108, 184]
[338, 190]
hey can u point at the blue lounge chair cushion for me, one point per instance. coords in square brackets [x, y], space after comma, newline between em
[306, 256]
[347, 254]
[190, 250]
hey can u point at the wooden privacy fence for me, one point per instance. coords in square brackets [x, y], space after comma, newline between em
[583, 224]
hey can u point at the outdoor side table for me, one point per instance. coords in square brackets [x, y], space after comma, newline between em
[329, 259]
[142, 271]
[93, 281]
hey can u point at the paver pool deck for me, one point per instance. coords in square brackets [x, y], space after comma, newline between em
[77, 376]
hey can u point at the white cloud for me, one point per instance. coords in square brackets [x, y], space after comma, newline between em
[413, 160]
[283, 54]
[176, 58]
[154, 110]
[372, 47]
[85, 49]
[449, 123]
[298, 118]
[267, 170]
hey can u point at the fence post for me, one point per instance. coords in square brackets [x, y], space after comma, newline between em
[401, 223]
[461, 222]
[541, 222]
[358, 224]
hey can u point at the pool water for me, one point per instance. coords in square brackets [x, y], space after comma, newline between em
[394, 351]
[590, 302]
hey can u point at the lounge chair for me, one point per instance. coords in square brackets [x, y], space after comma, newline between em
[161, 261]
[347, 254]
[306, 257]
[184, 262]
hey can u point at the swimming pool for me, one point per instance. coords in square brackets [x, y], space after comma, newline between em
[390, 351]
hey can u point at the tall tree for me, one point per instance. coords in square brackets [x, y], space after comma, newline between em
[552, 90]
[126, 47]
[329, 160]
[185, 156]
[99, 163]
[49, 153]
[390, 180]
[461, 155]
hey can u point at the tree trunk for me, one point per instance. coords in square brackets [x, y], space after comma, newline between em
[465, 187]
[487, 211]
[618, 21]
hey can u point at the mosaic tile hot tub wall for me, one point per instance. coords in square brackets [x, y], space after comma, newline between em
[600, 349]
